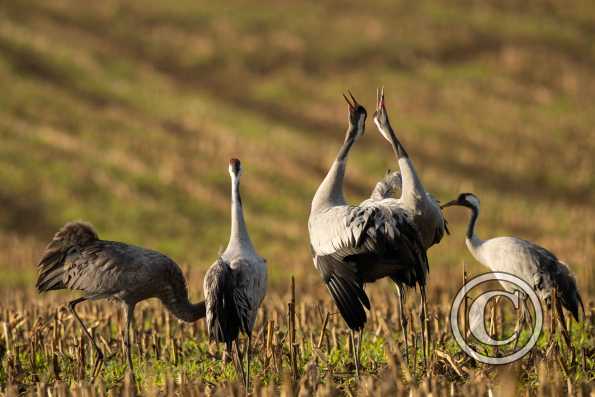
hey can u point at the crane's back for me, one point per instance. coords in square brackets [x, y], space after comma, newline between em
[540, 268]
[77, 259]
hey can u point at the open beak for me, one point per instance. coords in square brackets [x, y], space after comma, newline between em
[449, 204]
[379, 99]
[352, 103]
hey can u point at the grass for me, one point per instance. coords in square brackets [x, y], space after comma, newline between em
[125, 114]
[43, 344]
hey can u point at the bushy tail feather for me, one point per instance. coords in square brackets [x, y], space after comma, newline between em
[222, 322]
[568, 291]
[51, 266]
[580, 300]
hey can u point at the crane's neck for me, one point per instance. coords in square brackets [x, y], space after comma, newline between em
[472, 240]
[239, 238]
[412, 188]
[187, 311]
[330, 191]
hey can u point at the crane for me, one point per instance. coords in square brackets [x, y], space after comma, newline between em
[77, 259]
[235, 285]
[420, 204]
[532, 263]
[356, 244]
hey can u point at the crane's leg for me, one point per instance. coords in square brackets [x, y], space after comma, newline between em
[527, 317]
[403, 318]
[248, 363]
[425, 338]
[520, 321]
[234, 357]
[492, 330]
[523, 318]
[99, 354]
[355, 354]
[562, 320]
[360, 336]
[228, 351]
[129, 321]
[428, 334]
[239, 361]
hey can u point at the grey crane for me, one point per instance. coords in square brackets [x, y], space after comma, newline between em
[423, 207]
[77, 259]
[356, 244]
[534, 264]
[235, 285]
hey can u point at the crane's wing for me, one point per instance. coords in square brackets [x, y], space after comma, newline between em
[568, 290]
[111, 268]
[76, 259]
[372, 228]
[354, 244]
[249, 287]
[222, 322]
[64, 247]
[346, 288]
[443, 228]
[388, 187]
[559, 274]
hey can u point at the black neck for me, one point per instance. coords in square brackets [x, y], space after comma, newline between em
[472, 222]
[349, 141]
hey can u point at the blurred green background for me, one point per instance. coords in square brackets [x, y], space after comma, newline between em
[125, 113]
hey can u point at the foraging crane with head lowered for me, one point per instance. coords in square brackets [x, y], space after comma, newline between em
[77, 259]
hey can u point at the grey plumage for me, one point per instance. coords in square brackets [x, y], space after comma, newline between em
[235, 285]
[536, 265]
[77, 259]
[565, 281]
[354, 245]
[223, 323]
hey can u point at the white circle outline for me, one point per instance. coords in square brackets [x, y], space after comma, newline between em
[496, 276]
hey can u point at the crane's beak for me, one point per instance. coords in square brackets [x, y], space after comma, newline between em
[450, 204]
[351, 107]
[379, 98]
[352, 103]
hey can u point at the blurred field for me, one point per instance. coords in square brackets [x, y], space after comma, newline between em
[125, 114]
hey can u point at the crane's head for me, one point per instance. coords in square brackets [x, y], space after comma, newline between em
[468, 200]
[235, 167]
[381, 116]
[357, 115]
